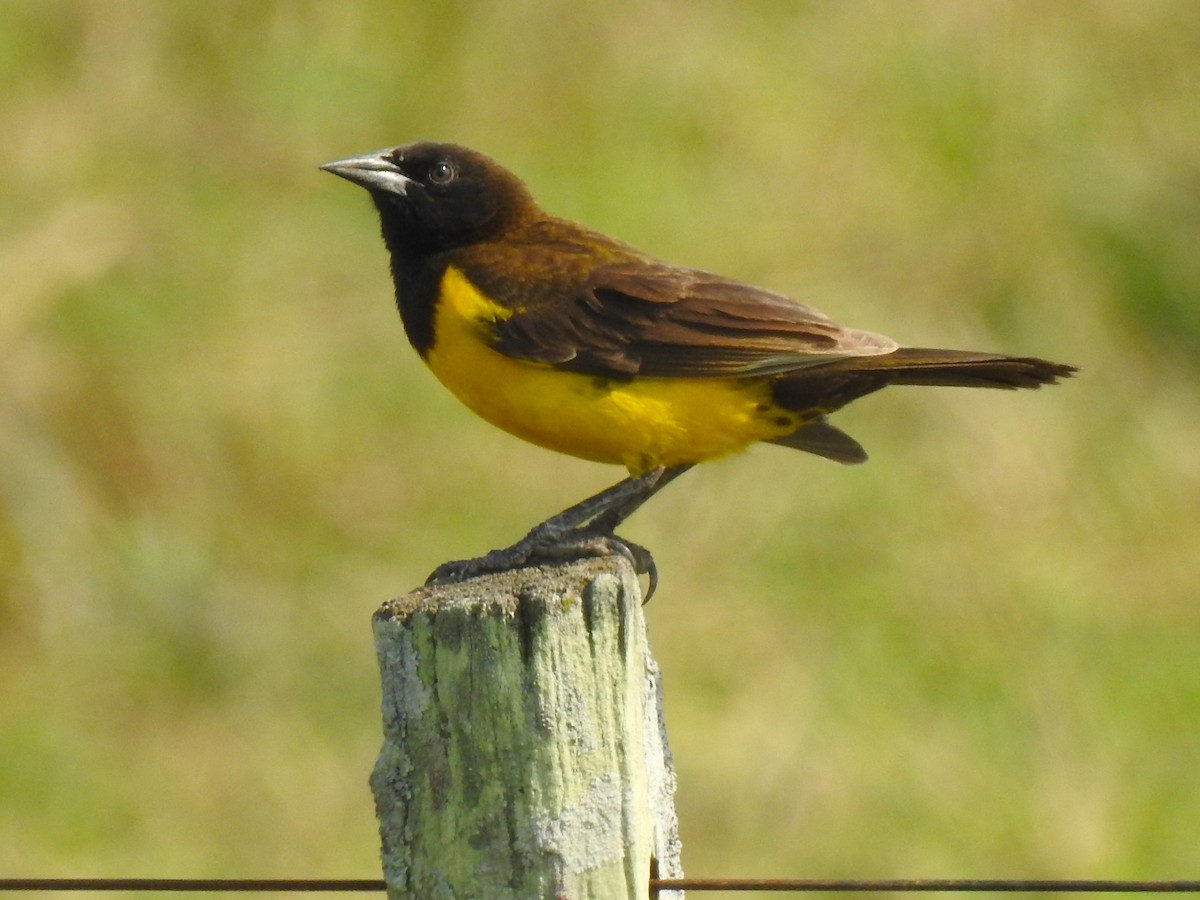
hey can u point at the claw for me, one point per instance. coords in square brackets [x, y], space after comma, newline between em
[642, 561]
[652, 578]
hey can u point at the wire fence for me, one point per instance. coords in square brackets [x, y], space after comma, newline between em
[656, 885]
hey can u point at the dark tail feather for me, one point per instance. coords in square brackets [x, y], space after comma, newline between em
[827, 387]
[823, 439]
[824, 388]
[959, 368]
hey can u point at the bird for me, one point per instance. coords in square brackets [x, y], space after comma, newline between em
[582, 344]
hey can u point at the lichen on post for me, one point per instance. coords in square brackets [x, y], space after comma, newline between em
[524, 752]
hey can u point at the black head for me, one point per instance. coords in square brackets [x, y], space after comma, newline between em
[434, 197]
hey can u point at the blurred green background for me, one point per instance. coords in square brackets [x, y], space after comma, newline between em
[978, 655]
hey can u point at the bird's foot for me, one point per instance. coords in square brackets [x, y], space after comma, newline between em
[584, 530]
[538, 548]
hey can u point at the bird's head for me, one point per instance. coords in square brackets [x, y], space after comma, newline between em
[434, 197]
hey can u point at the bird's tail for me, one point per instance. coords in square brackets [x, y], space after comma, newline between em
[817, 390]
[959, 368]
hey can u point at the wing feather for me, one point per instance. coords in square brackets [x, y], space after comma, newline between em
[640, 317]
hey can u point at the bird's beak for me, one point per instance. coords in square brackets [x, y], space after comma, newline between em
[373, 171]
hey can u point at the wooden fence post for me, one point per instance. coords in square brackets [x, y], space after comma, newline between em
[524, 752]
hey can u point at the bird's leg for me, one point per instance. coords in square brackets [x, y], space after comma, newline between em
[603, 512]
[585, 529]
[620, 509]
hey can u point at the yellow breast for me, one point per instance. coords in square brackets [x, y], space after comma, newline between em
[640, 424]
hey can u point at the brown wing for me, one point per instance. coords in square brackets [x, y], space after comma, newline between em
[639, 317]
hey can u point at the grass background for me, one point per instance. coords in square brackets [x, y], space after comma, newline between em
[979, 655]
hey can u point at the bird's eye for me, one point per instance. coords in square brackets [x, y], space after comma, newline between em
[442, 172]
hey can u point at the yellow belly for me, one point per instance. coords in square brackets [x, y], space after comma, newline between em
[639, 424]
